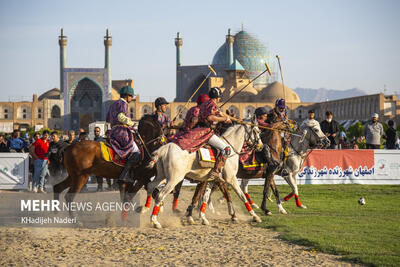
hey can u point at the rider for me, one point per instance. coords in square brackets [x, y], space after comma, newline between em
[161, 107]
[261, 116]
[192, 116]
[210, 114]
[121, 136]
[278, 113]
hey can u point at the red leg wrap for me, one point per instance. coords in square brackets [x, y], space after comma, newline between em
[249, 199]
[156, 209]
[248, 206]
[124, 215]
[148, 202]
[288, 196]
[298, 203]
[175, 204]
[203, 207]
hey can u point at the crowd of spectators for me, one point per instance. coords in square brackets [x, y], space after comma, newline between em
[44, 148]
[372, 135]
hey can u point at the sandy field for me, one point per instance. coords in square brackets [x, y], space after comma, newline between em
[220, 244]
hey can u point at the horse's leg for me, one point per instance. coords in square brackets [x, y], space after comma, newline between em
[150, 190]
[235, 185]
[276, 194]
[197, 193]
[224, 189]
[244, 187]
[159, 198]
[58, 188]
[267, 183]
[177, 191]
[206, 197]
[75, 188]
[291, 180]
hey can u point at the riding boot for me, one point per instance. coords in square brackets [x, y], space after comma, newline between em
[126, 176]
[272, 164]
[215, 172]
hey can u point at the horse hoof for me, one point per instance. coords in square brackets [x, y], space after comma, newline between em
[157, 225]
[234, 220]
[190, 220]
[221, 200]
[205, 222]
[282, 212]
[176, 211]
[268, 213]
[257, 219]
[255, 206]
[302, 206]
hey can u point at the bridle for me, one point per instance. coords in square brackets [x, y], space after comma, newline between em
[248, 138]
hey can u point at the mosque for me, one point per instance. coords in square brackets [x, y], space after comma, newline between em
[85, 93]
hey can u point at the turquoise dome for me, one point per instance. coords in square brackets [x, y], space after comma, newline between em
[251, 54]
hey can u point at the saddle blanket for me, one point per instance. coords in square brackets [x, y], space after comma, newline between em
[207, 158]
[108, 154]
[249, 160]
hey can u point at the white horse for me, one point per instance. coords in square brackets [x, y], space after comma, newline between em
[174, 164]
[311, 137]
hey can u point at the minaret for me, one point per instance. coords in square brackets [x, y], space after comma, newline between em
[62, 41]
[178, 44]
[229, 43]
[107, 63]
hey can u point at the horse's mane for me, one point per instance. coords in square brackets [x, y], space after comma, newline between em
[151, 118]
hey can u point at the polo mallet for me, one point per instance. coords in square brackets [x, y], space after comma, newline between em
[280, 70]
[198, 88]
[255, 78]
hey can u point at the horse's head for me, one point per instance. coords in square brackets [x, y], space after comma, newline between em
[151, 132]
[313, 133]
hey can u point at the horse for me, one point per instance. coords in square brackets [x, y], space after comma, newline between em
[174, 164]
[272, 138]
[299, 144]
[84, 158]
[312, 137]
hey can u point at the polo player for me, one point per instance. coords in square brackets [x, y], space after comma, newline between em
[192, 116]
[121, 135]
[278, 113]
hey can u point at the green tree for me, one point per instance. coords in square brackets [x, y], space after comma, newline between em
[355, 130]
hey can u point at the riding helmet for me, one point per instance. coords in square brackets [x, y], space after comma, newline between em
[280, 103]
[126, 90]
[160, 101]
[202, 99]
[215, 92]
[260, 111]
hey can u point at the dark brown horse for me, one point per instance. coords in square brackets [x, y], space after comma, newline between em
[84, 158]
[273, 139]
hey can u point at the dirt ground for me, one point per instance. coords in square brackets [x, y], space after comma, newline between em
[177, 244]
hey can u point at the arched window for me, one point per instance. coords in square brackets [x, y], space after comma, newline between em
[234, 111]
[248, 112]
[55, 112]
[39, 113]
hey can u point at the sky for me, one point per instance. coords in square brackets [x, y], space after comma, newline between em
[339, 44]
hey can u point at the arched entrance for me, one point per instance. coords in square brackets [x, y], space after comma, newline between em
[86, 104]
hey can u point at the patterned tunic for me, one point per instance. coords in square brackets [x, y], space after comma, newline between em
[121, 137]
[162, 119]
[274, 116]
[190, 119]
[195, 138]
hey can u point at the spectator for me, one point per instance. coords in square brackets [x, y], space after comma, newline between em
[16, 143]
[39, 151]
[373, 131]
[99, 179]
[311, 116]
[55, 155]
[330, 128]
[390, 136]
[3, 144]
[82, 136]
[71, 138]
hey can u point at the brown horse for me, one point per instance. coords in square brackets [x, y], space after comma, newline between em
[84, 158]
[273, 139]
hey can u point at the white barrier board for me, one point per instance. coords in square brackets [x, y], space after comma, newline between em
[14, 170]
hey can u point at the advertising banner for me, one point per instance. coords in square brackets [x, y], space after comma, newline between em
[14, 169]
